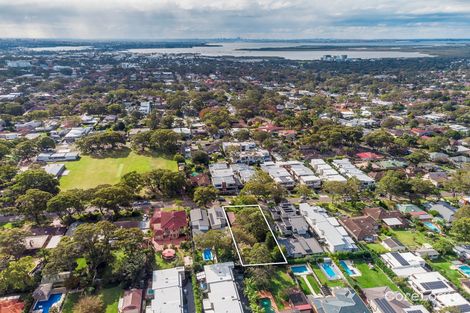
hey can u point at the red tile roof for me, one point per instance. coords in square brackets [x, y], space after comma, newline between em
[11, 306]
[132, 299]
[172, 220]
[369, 156]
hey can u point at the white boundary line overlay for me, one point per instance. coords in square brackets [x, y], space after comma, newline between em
[270, 229]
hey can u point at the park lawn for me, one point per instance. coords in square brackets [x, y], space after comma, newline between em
[324, 280]
[90, 172]
[443, 265]
[377, 248]
[280, 282]
[411, 239]
[371, 278]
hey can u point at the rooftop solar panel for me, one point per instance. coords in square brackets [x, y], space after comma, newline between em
[464, 308]
[399, 258]
[433, 285]
[384, 306]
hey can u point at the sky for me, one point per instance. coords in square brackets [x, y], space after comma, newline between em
[256, 19]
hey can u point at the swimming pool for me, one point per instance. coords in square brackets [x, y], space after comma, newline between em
[300, 270]
[465, 269]
[46, 305]
[207, 255]
[329, 271]
[266, 305]
[432, 227]
[346, 268]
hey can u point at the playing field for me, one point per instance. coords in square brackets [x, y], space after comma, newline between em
[90, 172]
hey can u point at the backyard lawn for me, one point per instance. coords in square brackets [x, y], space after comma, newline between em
[279, 282]
[443, 266]
[90, 172]
[304, 286]
[411, 239]
[324, 280]
[371, 278]
[110, 297]
[377, 248]
[163, 265]
[313, 283]
[69, 302]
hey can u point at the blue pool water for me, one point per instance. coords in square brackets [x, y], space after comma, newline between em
[207, 255]
[346, 268]
[329, 270]
[465, 269]
[45, 306]
[432, 227]
[300, 269]
[266, 305]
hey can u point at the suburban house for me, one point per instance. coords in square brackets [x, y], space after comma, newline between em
[325, 171]
[445, 210]
[131, 301]
[361, 228]
[436, 288]
[222, 292]
[404, 264]
[436, 178]
[300, 246]
[292, 225]
[223, 178]
[299, 302]
[384, 300]
[167, 286]
[427, 251]
[302, 174]
[168, 225]
[346, 168]
[199, 221]
[283, 209]
[369, 156]
[200, 180]
[279, 174]
[327, 228]
[245, 152]
[393, 244]
[288, 221]
[414, 211]
[243, 172]
[343, 300]
[462, 251]
[217, 218]
[393, 219]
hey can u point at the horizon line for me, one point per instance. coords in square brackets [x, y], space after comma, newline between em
[231, 38]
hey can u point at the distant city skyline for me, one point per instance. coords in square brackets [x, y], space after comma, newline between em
[250, 19]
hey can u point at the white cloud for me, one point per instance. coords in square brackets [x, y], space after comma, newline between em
[225, 18]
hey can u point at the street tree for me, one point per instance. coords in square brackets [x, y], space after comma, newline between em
[35, 179]
[33, 204]
[204, 195]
